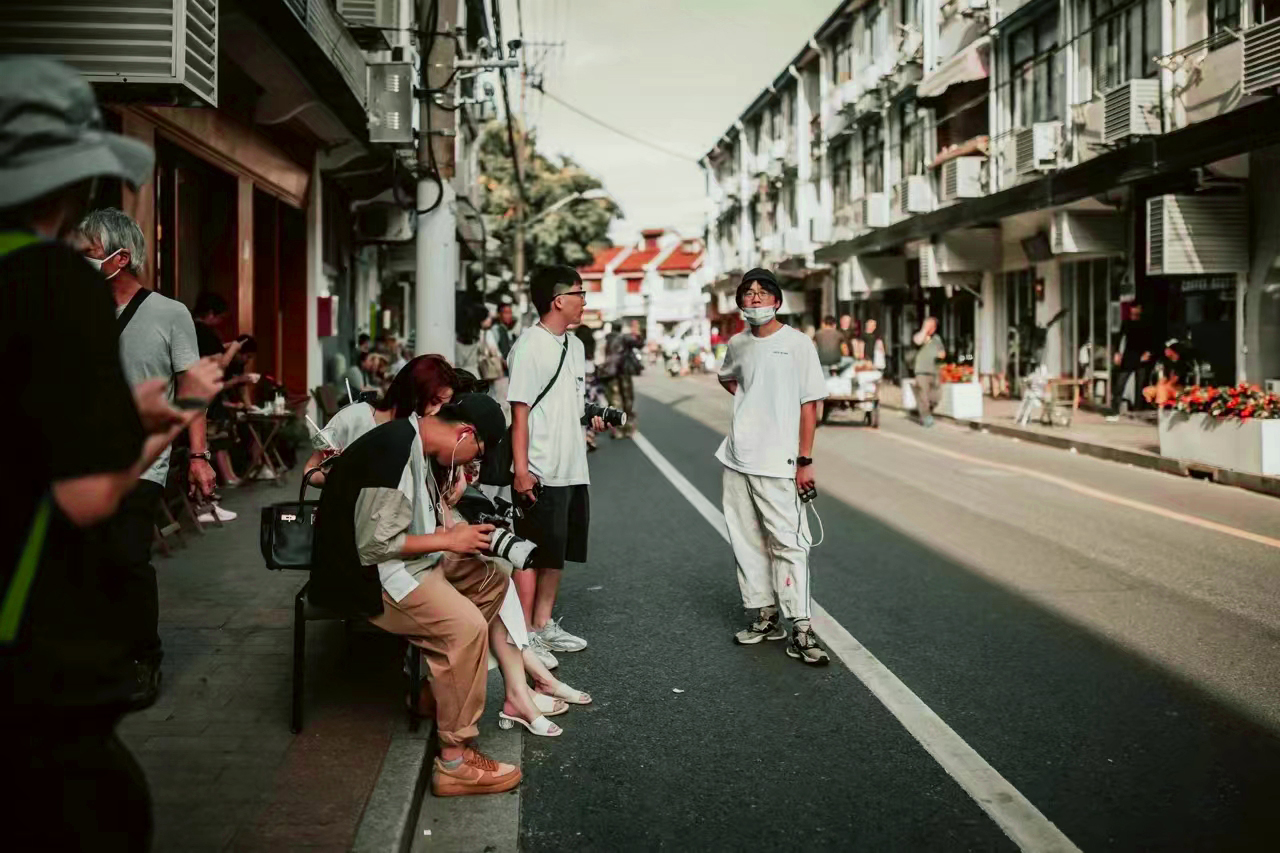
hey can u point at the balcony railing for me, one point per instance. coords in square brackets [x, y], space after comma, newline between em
[328, 30]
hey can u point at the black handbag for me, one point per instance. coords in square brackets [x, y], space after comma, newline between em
[288, 530]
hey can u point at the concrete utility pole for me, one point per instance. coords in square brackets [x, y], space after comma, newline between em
[436, 278]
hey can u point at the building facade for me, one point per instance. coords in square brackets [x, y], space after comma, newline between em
[286, 136]
[1026, 172]
[658, 281]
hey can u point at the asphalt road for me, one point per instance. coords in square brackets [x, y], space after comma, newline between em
[1106, 638]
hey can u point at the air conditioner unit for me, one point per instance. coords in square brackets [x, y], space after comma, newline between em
[1073, 232]
[820, 230]
[382, 222]
[370, 13]
[1195, 234]
[163, 50]
[962, 178]
[929, 266]
[1036, 147]
[875, 210]
[1262, 57]
[1131, 109]
[911, 195]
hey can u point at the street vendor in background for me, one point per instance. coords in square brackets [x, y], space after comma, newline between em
[869, 346]
[1173, 371]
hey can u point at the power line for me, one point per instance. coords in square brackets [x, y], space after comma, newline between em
[506, 105]
[637, 139]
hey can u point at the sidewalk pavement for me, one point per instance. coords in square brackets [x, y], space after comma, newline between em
[1133, 440]
[224, 770]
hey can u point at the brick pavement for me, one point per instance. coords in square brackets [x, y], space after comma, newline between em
[225, 772]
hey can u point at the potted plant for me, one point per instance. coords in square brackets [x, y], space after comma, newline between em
[1229, 427]
[960, 393]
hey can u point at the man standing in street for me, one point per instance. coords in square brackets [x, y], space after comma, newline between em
[925, 367]
[830, 343]
[549, 449]
[1132, 355]
[157, 339]
[773, 373]
[622, 366]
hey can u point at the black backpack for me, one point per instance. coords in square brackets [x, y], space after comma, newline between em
[498, 468]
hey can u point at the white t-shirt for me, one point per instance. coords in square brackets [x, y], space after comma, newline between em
[348, 424]
[557, 443]
[776, 375]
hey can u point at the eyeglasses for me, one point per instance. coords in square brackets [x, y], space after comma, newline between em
[756, 293]
[581, 293]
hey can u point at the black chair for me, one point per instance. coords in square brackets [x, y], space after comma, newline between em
[304, 610]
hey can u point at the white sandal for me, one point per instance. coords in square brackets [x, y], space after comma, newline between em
[550, 706]
[540, 726]
[567, 693]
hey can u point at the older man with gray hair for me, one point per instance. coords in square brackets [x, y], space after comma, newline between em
[157, 338]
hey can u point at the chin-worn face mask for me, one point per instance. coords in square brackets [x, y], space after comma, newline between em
[97, 264]
[759, 315]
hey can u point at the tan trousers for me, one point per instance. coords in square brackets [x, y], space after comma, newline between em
[926, 390]
[448, 617]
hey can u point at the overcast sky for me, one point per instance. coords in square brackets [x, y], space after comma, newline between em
[676, 72]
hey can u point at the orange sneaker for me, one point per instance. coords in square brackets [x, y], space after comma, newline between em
[475, 774]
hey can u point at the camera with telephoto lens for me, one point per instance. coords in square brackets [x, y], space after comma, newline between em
[477, 508]
[611, 416]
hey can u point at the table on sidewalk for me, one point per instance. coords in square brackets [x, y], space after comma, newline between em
[272, 425]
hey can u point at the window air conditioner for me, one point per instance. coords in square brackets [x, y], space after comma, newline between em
[1262, 57]
[370, 13]
[1197, 234]
[929, 266]
[875, 210]
[1131, 109]
[962, 178]
[164, 51]
[820, 230]
[911, 195]
[1036, 147]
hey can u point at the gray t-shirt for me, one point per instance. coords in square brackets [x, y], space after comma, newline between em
[159, 343]
[927, 356]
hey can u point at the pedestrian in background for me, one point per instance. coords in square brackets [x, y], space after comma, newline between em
[81, 441]
[1133, 354]
[773, 373]
[830, 343]
[622, 364]
[157, 339]
[925, 367]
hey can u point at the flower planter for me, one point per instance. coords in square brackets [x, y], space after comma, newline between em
[961, 400]
[1251, 445]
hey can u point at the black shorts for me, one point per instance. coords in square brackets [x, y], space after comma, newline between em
[558, 525]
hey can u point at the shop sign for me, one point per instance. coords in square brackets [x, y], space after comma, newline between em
[1203, 283]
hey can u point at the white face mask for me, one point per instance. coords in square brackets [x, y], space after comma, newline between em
[97, 264]
[760, 315]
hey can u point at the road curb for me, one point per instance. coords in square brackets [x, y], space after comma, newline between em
[391, 815]
[1269, 486]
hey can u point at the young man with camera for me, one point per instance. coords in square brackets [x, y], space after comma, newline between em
[379, 548]
[549, 450]
[776, 381]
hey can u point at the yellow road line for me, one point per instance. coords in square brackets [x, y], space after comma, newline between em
[1079, 488]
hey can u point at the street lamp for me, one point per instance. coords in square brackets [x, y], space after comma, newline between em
[587, 195]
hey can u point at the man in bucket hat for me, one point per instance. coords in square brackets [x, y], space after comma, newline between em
[773, 373]
[78, 440]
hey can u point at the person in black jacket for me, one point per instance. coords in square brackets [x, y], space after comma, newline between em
[378, 548]
[1131, 358]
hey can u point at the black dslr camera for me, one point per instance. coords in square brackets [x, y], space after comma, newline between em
[612, 417]
[477, 508]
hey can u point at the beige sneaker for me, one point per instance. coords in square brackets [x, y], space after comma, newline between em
[476, 774]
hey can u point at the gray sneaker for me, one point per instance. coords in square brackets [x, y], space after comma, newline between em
[559, 640]
[804, 647]
[765, 627]
[541, 652]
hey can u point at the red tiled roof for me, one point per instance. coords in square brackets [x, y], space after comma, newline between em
[636, 261]
[680, 260]
[601, 260]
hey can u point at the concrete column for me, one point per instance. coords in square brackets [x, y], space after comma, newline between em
[317, 285]
[437, 278]
[986, 338]
[244, 256]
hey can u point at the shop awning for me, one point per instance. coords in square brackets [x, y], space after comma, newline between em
[966, 66]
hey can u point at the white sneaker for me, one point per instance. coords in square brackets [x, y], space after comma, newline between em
[558, 639]
[1113, 419]
[213, 513]
[266, 473]
[541, 652]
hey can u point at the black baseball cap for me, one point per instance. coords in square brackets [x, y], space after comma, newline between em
[482, 412]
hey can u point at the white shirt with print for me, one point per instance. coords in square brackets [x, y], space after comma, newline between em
[557, 443]
[776, 375]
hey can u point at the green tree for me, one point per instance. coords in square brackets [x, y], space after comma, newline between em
[567, 235]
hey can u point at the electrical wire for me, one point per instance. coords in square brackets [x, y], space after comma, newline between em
[432, 13]
[637, 139]
[506, 105]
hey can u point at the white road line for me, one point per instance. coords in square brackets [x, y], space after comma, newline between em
[1012, 812]
[1080, 488]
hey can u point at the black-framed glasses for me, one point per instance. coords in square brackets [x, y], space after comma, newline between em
[581, 293]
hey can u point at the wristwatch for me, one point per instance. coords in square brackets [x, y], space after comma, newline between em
[205, 456]
[802, 461]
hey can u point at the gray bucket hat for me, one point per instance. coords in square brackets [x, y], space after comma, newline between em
[51, 133]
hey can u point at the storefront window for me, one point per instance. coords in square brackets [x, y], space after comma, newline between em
[1020, 325]
[1090, 294]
